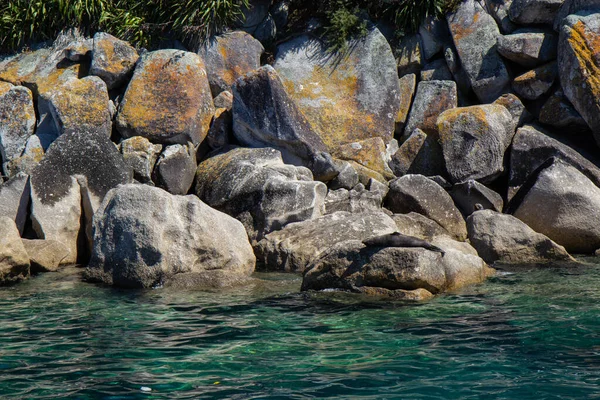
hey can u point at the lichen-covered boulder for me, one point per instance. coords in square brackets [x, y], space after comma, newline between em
[113, 60]
[370, 153]
[475, 33]
[141, 155]
[534, 11]
[14, 200]
[45, 255]
[176, 168]
[14, 261]
[474, 140]
[256, 187]
[145, 237]
[17, 121]
[515, 107]
[345, 99]
[432, 99]
[535, 83]
[168, 100]
[228, 57]
[529, 47]
[505, 239]
[579, 65]
[407, 84]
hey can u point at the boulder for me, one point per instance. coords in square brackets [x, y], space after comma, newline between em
[505, 239]
[529, 47]
[558, 112]
[17, 121]
[141, 155]
[45, 255]
[474, 140]
[175, 168]
[532, 146]
[408, 52]
[297, 245]
[356, 200]
[534, 11]
[14, 262]
[347, 177]
[256, 187]
[432, 99]
[370, 153]
[436, 70]
[407, 86]
[419, 154]
[434, 35]
[113, 60]
[168, 100]
[475, 33]
[31, 157]
[579, 65]
[78, 169]
[471, 196]
[228, 57]
[573, 7]
[224, 100]
[563, 204]
[515, 107]
[422, 195]
[535, 83]
[14, 200]
[145, 237]
[221, 129]
[345, 99]
[265, 116]
[498, 9]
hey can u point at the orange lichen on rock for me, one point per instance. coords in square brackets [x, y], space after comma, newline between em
[586, 48]
[370, 153]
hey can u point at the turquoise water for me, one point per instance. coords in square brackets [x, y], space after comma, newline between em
[532, 334]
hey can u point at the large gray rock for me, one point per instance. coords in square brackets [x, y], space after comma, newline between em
[471, 196]
[474, 140]
[14, 200]
[14, 262]
[422, 195]
[141, 155]
[356, 200]
[579, 63]
[45, 255]
[573, 7]
[265, 116]
[505, 239]
[475, 33]
[168, 100]
[113, 60]
[532, 146]
[145, 237]
[17, 121]
[297, 245]
[256, 187]
[534, 11]
[498, 9]
[176, 168]
[78, 169]
[228, 57]
[419, 154]
[563, 204]
[432, 99]
[535, 83]
[529, 47]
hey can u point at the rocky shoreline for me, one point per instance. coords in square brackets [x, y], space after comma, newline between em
[194, 169]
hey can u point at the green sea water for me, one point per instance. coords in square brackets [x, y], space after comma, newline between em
[533, 333]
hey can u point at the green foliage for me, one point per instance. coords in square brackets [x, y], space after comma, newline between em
[343, 24]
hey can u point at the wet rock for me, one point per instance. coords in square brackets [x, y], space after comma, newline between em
[294, 247]
[534, 11]
[168, 99]
[422, 195]
[113, 60]
[529, 47]
[17, 121]
[474, 140]
[14, 200]
[471, 196]
[419, 154]
[436, 70]
[356, 200]
[408, 54]
[256, 187]
[475, 33]
[145, 237]
[407, 84]
[141, 155]
[432, 98]
[558, 112]
[175, 168]
[505, 239]
[14, 262]
[45, 255]
[535, 83]
[228, 57]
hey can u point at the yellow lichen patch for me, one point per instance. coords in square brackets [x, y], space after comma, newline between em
[586, 48]
[407, 89]
[365, 174]
[369, 153]
[5, 87]
[474, 117]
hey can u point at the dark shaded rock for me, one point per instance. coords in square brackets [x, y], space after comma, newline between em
[141, 155]
[558, 112]
[529, 47]
[535, 83]
[221, 129]
[471, 196]
[14, 262]
[516, 108]
[113, 60]
[14, 200]
[347, 177]
[176, 168]
[280, 12]
[407, 84]
[498, 9]
[434, 35]
[534, 11]
[436, 70]
[45, 255]
[432, 98]
[408, 54]
[573, 7]
[419, 154]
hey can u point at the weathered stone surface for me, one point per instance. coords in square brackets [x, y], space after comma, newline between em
[397, 294]
[297, 245]
[45, 255]
[434, 35]
[407, 84]
[228, 57]
[221, 129]
[14, 262]
[113, 60]
[356, 200]
[436, 70]
[345, 99]
[75, 159]
[418, 225]
[534, 11]
[168, 99]
[474, 140]
[145, 237]
[529, 47]
[505, 239]
[141, 155]
[564, 205]
[422, 195]
[516, 108]
[347, 177]
[498, 9]
[533, 84]
[17, 121]
[573, 7]
[475, 33]
[419, 154]
[14, 200]
[532, 146]
[224, 100]
[432, 98]
[256, 187]
[471, 196]
[265, 116]
[558, 112]
[32, 155]
[175, 168]
[370, 153]
[408, 54]
[579, 65]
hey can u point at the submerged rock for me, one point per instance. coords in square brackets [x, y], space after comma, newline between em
[14, 262]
